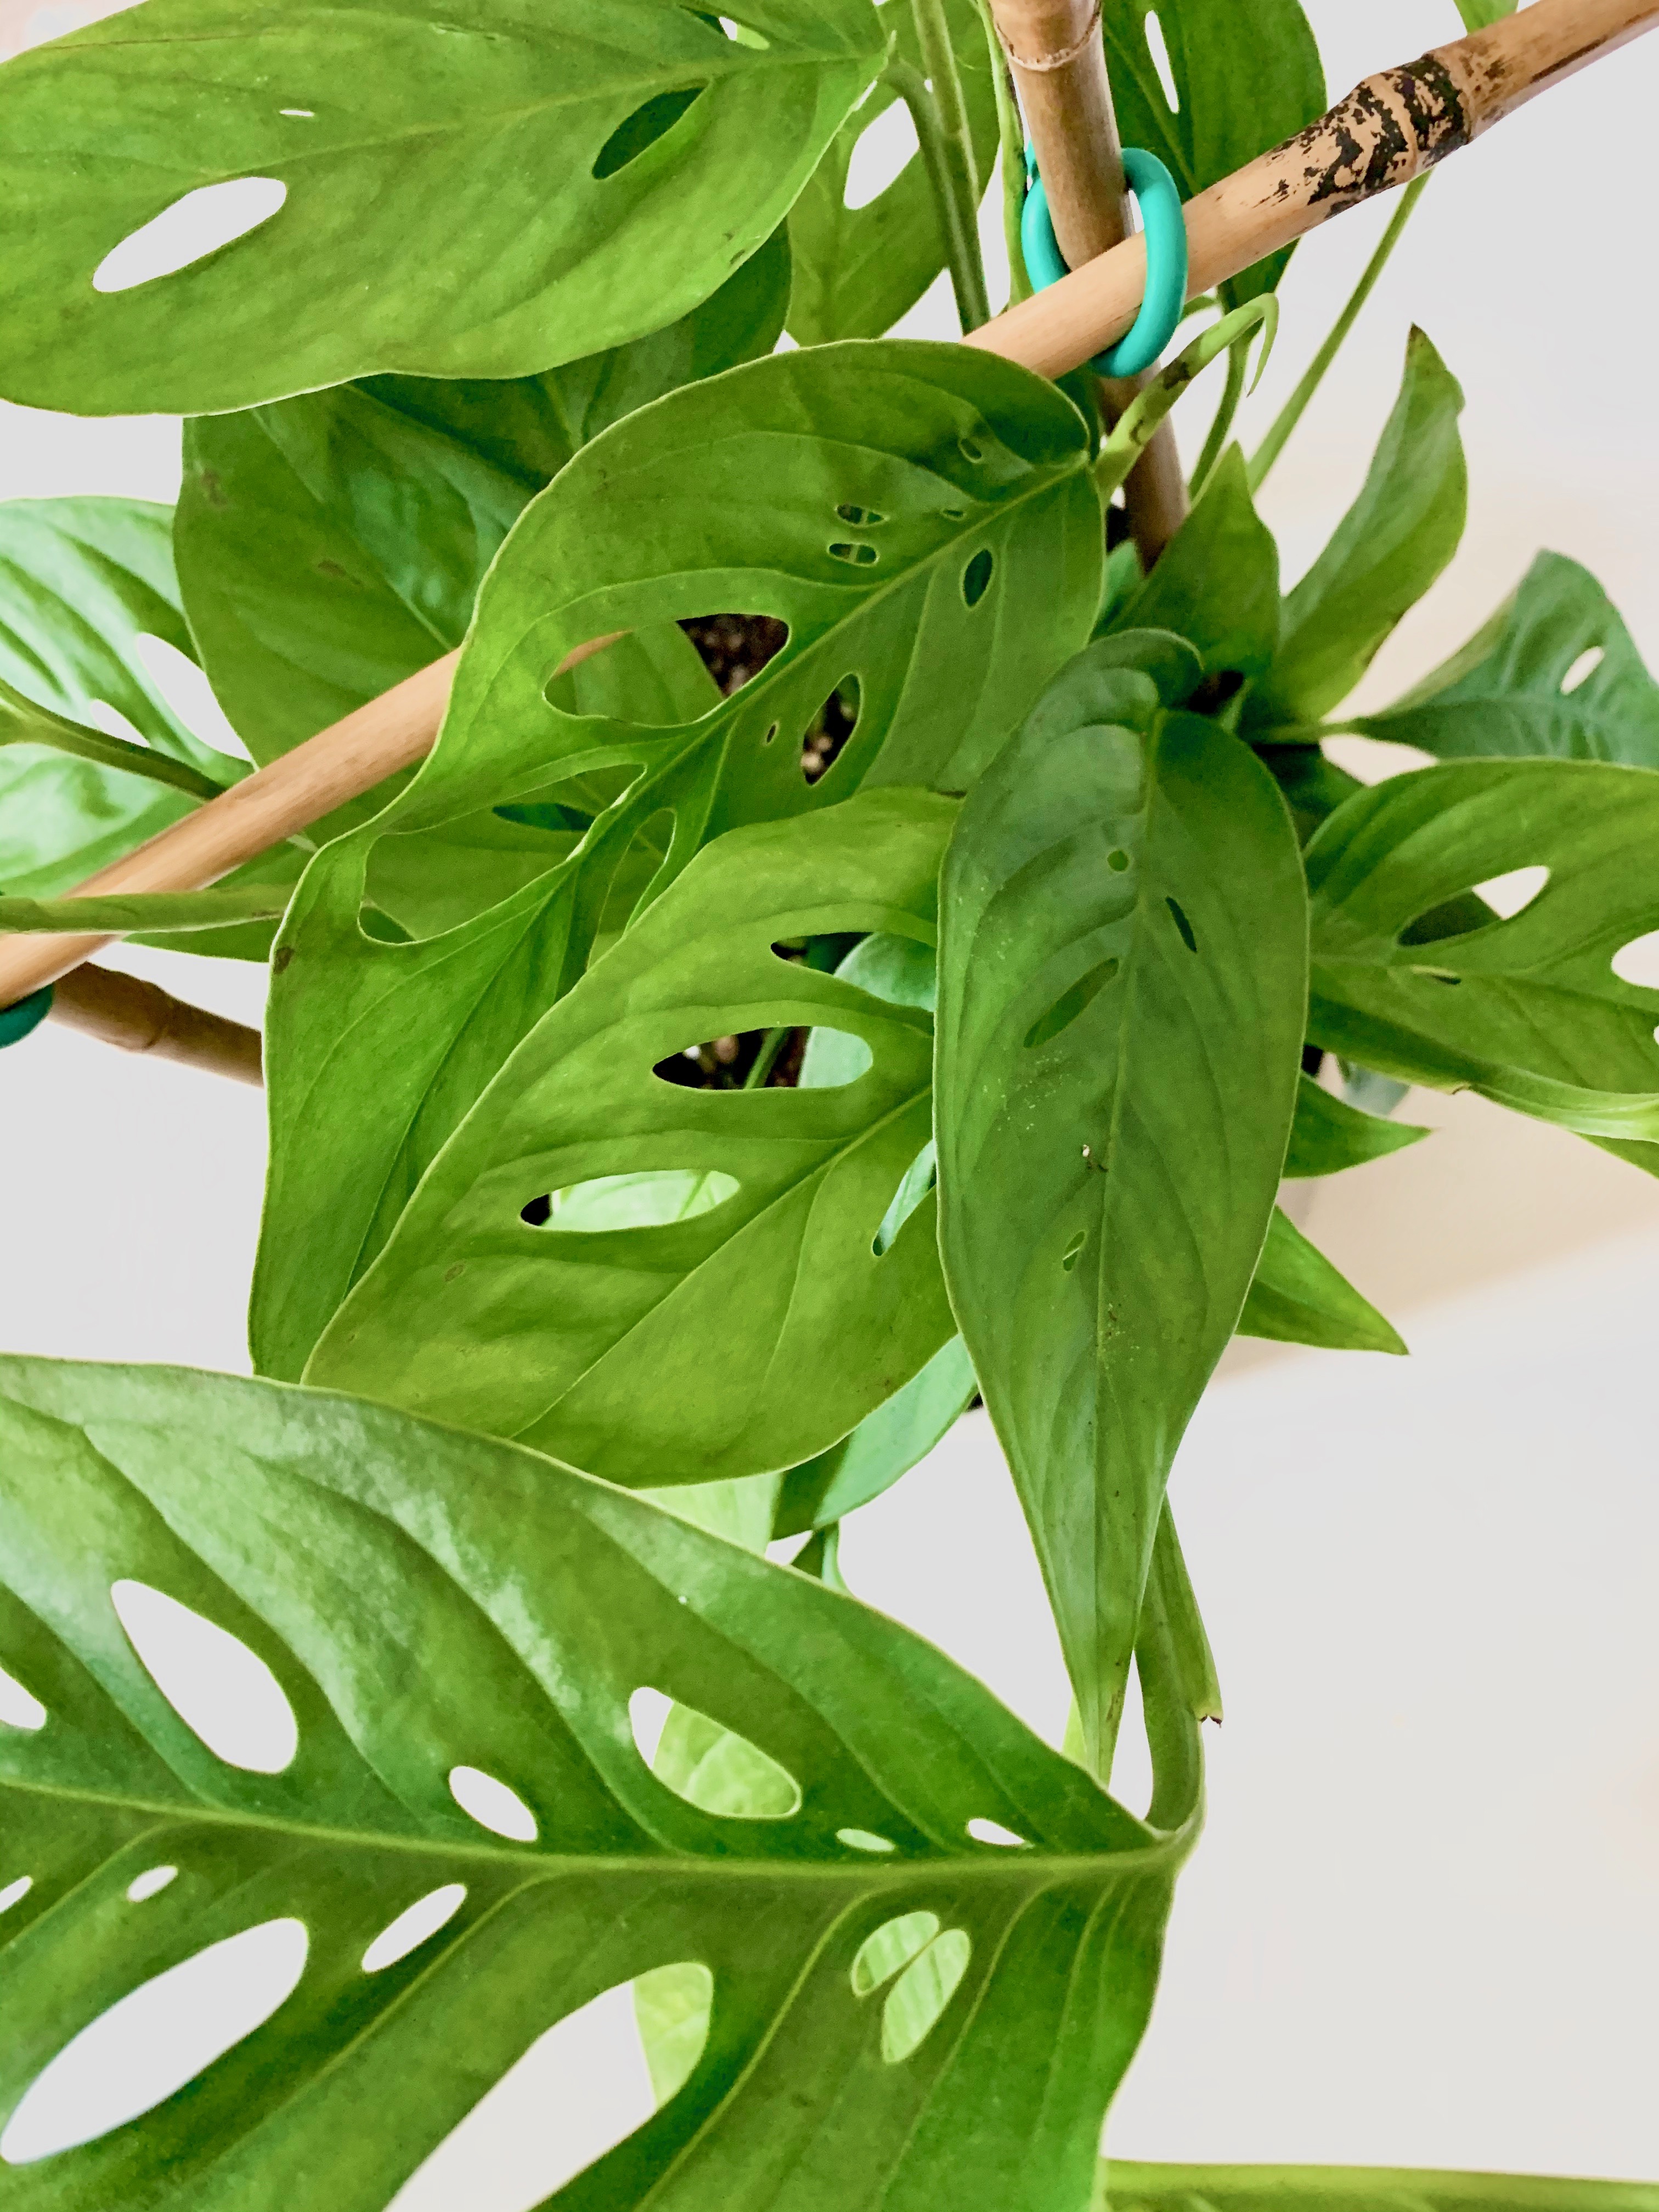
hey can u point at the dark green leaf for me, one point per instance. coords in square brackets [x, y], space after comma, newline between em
[1217, 582]
[1299, 1298]
[1131, 2188]
[751, 1319]
[1123, 979]
[1328, 1134]
[458, 202]
[729, 495]
[1247, 75]
[429, 1606]
[1312, 786]
[885, 1445]
[858, 269]
[1388, 548]
[1527, 1011]
[1553, 672]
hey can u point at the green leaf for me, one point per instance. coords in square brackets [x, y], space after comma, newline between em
[331, 544]
[1247, 75]
[694, 1348]
[1217, 582]
[24, 723]
[1299, 1297]
[1478, 13]
[885, 1445]
[726, 496]
[1529, 1011]
[470, 189]
[858, 269]
[1527, 683]
[1387, 551]
[1328, 1135]
[1133, 2188]
[429, 1603]
[82, 582]
[1123, 979]
[155, 914]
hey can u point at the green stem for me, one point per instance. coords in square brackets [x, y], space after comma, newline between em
[948, 158]
[766, 1059]
[1216, 444]
[1010, 142]
[1294, 407]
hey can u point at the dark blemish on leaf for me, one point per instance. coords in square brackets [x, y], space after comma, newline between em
[977, 577]
[856, 557]
[1117, 861]
[459, 1269]
[1182, 925]
[213, 489]
[332, 569]
[771, 733]
[954, 514]
[281, 958]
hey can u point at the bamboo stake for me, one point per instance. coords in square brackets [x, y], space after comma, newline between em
[141, 1016]
[1391, 128]
[1059, 60]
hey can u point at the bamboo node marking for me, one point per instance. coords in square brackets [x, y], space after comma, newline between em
[1053, 61]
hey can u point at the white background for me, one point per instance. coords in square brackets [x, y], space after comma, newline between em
[1424, 1925]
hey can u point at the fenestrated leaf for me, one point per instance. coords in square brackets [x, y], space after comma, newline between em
[1217, 582]
[760, 1328]
[1527, 1011]
[1386, 551]
[1554, 672]
[1247, 75]
[470, 189]
[1129, 2187]
[331, 544]
[731, 495]
[82, 581]
[1328, 1134]
[1123, 975]
[858, 269]
[427, 1603]
[1299, 1298]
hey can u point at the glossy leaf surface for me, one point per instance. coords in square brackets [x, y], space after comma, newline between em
[1299, 1298]
[1529, 1011]
[730, 494]
[429, 1606]
[1122, 983]
[465, 191]
[743, 1337]
[1328, 1134]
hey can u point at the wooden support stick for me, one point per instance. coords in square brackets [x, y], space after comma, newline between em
[140, 1016]
[1388, 129]
[1058, 61]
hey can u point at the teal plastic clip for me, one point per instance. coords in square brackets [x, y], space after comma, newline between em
[1165, 227]
[16, 1022]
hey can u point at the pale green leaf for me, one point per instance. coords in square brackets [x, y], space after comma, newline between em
[1299, 1298]
[886, 1444]
[1329, 1134]
[1478, 14]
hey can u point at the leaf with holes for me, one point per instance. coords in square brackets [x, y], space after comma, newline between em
[444, 1854]
[1245, 74]
[920, 517]
[1217, 583]
[331, 544]
[1297, 1297]
[693, 1347]
[469, 191]
[1554, 672]
[1387, 551]
[862, 259]
[1328, 1134]
[1124, 975]
[1531, 1010]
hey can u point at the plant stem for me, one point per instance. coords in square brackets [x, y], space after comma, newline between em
[940, 115]
[1216, 443]
[766, 1059]
[1292, 413]
[1010, 142]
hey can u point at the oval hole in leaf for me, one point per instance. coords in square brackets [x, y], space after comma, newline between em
[1583, 668]
[832, 1057]
[647, 1714]
[921, 1992]
[642, 129]
[20, 1708]
[708, 1765]
[154, 2039]
[1073, 1252]
[863, 1839]
[1508, 894]
[648, 1201]
[861, 518]
[16, 1892]
[992, 1832]
[1158, 49]
[977, 576]
[492, 1804]
[542, 2124]
[1178, 915]
[884, 149]
[219, 1688]
[893, 1945]
[1070, 1004]
[202, 221]
[153, 1881]
[859, 556]
[113, 722]
[188, 694]
[741, 35]
[829, 729]
[971, 451]
[733, 648]
[413, 1925]
[1635, 963]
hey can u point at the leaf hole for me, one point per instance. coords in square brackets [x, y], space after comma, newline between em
[650, 1200]
[883, 150]
[20, 1708]
[992, 1832]
[856, 557]
[735, 649]
[492, 1804]
[1158, 47]
[742, 35]
[1509, 894]
[1636, 963]
[1583, 668]
[305, 114]
[970, 450]
[1079, 995]
[202, 221]
[826, 733]
[415, 1924]
[1178, 916]
[889, 1949]
[16, 1892]
[861, 518]
[863, 1839]
[977, 576]
[222, 1692]
[188, 694]
[150, 2043]
[636, 133]
[153, 1881]
[771, 733]
[1073, 1252]
[918, 1998]
[708, 1765]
